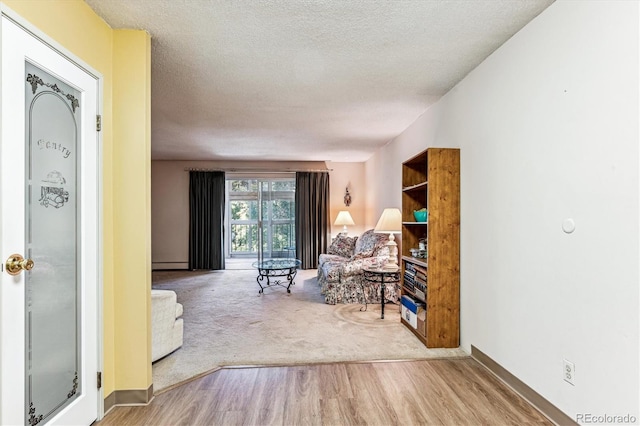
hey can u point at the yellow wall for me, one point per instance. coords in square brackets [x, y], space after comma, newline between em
[126, 164]
[132, 207]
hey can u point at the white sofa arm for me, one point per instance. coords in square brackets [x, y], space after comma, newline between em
[166, 327]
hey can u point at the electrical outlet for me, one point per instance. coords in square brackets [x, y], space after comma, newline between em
[568, 371]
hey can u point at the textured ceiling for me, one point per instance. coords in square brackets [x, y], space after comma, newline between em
[325, 80]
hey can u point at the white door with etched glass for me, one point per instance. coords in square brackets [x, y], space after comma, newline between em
[49, 230]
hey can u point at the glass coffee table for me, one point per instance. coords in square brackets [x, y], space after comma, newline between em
[272, 272]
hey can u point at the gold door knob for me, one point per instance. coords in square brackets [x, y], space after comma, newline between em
[16, 263]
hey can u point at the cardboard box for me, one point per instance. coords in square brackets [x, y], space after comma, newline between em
[410, 310]
[409, 316]
[421, 317]
[410, 303]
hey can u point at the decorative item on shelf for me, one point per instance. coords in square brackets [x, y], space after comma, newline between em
[418, 253]
[422, 243]
[347, 197]
[420, 215]
[389, 223]
[344, 219]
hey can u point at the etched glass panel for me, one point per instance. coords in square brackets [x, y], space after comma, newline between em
[52, 286]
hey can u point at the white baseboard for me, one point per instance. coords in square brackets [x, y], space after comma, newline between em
[543, 405]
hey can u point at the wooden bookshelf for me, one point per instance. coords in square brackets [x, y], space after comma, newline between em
[431, 179]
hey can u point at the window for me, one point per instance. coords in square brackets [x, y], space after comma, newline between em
[261, 208]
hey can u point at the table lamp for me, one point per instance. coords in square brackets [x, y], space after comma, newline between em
[390, 222]
[344, 219]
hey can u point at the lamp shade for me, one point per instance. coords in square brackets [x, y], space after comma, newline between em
[344, 218]
[389, 222]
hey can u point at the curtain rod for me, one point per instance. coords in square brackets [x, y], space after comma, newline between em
[197, 169]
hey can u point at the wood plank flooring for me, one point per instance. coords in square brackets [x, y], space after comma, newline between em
[455, 391]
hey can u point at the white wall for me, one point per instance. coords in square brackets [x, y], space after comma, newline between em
[548, 130]
[342, 176]
[169, 215]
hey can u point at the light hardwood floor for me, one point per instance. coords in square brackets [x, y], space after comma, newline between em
[456, 391]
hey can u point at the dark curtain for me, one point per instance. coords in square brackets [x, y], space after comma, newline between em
[312, 217]
[206, 220]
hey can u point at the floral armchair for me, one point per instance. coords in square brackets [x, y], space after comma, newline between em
[340, 271]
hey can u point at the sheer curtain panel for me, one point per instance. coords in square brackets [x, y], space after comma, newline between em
[312, 217]
[206, 220]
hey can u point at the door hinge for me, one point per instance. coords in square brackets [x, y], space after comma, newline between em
[99, 379]
[98, 123]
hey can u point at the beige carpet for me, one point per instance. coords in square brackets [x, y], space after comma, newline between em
[226, 323]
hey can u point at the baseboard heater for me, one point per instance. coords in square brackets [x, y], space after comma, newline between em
[158, 266]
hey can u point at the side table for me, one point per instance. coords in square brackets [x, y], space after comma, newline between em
[380, 276]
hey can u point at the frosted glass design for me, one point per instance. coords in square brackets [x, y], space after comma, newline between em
[52, 286]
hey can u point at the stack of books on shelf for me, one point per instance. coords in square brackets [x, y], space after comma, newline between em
[409, 277]
[421, 282]
[415, 280]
